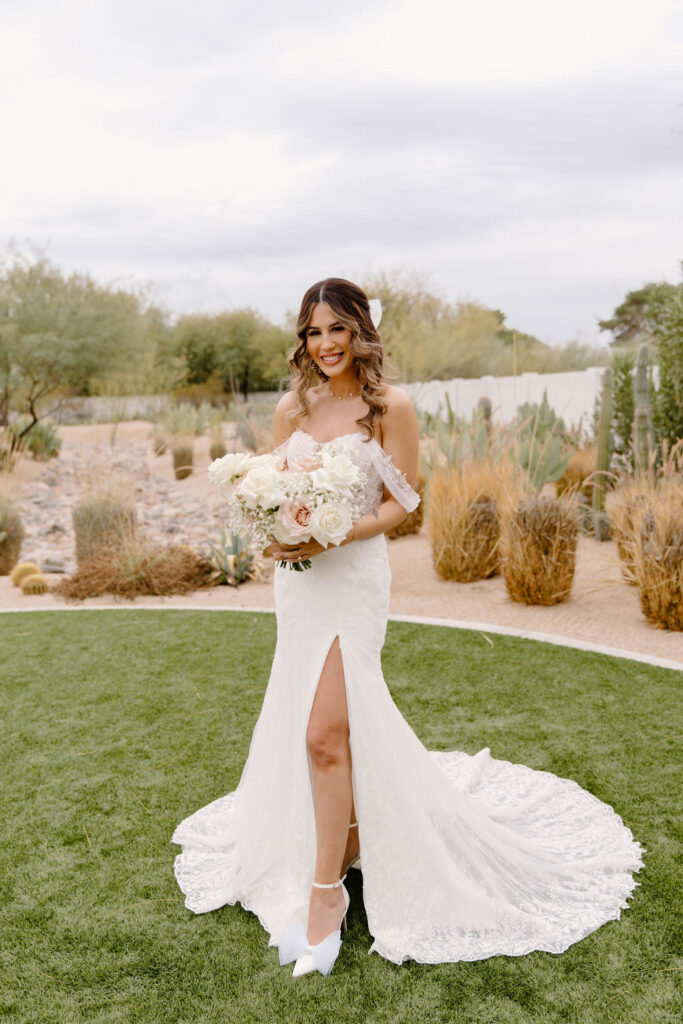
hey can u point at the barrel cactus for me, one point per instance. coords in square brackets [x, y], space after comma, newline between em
[22, 570]
[35, 583]
[183, 459]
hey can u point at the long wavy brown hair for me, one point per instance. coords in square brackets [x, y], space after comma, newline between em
[352, 309]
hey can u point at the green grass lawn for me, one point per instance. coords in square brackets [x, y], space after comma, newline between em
[117, 724]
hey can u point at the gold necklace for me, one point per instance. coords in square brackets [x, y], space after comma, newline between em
[351, 394]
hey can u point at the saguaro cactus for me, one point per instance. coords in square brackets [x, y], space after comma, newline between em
[600, 519]
[643, 440]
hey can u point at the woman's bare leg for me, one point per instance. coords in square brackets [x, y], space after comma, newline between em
[327, 739]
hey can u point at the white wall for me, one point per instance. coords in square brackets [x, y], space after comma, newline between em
[571, 395]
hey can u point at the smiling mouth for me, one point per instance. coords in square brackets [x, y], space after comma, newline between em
[331, 359]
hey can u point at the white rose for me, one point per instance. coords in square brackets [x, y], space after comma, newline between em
[224, 471]
[330, 522]
[263, 487]
[261, 460]
[337, 474]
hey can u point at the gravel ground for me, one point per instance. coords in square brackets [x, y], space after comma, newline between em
[602, 608]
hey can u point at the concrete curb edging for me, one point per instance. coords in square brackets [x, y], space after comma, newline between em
[481, 627]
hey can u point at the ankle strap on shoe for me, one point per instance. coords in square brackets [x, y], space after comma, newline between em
[328, 885]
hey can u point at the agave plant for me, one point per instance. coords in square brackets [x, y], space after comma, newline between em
[234, 560]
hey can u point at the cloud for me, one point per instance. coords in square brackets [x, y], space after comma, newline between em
[233, 152]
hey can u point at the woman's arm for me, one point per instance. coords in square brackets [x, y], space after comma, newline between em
[282, 426]
[401, 440]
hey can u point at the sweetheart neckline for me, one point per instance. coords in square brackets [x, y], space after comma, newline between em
[331, 440]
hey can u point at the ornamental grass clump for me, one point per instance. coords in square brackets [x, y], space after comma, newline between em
[11, 533]
[628, 501]
[578, 476]
[539, 549]
[652, 540]
[105, 514]
[135, 567]
[464, 519]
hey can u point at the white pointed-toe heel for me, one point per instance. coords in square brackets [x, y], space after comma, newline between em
[322, 957]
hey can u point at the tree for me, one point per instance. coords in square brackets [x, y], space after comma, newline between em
[426, 337]
[242, 348]
[58, 334]
[638, 315]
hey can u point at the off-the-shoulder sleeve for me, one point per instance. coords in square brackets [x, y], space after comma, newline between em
[394, 479]
[281, 451]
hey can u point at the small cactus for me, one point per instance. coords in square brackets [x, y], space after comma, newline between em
[34, 584]
[643, 435]
[183, 458]
[22, 570]
[217, 449]
[485, 408]
[600, 519]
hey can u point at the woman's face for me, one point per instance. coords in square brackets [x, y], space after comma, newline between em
[328, 342]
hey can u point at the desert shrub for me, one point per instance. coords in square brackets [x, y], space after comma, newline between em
[159, 439]
[41, 440]
[234, 560]
[105, 513]
[183, 459]
[577, 477]
[464, 520]
[414, 520]
[651, 545]
[22, 570]
[136, 567]
[254, 425]
[211, 391]
[539, 549]
[35, 583]
[218, 447]
[11, 533]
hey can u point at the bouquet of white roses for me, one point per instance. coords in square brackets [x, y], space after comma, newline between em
[317, 497]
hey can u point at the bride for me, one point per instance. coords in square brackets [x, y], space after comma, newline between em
[463, 857]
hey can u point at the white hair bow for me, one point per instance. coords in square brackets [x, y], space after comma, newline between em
[375, 312]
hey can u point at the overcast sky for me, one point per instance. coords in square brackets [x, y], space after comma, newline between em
[526, 155]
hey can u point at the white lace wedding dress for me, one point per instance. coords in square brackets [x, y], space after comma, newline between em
[463, 857]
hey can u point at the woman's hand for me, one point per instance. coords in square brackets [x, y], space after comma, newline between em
[296, 552]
